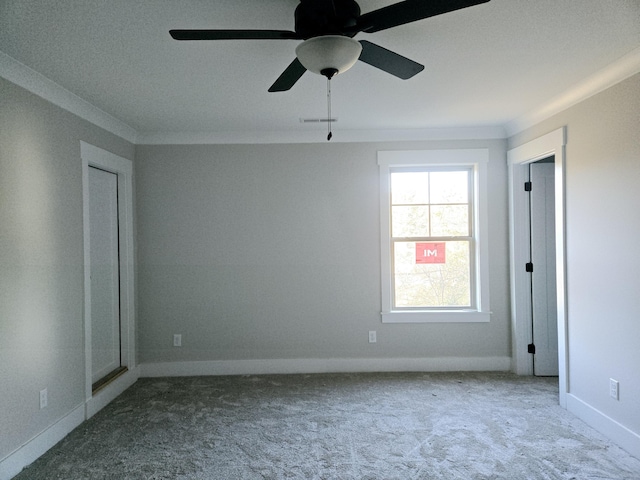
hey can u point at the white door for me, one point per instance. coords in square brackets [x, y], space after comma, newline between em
[543, 280]
[105, 281]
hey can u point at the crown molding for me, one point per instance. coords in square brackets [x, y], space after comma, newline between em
[614, 73]
[36, 83]
[318, 136]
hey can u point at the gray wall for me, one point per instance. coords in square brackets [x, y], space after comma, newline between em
[273, 252]
[603, 260]
[41, 261]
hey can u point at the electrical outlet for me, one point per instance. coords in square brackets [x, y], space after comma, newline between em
[177, 340]
[372, 336]
[44, 401]
[614, 389]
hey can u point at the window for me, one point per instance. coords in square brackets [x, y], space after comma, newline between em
[433, 229]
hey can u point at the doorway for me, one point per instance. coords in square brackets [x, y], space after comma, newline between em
[106, 361]
[519, 160]
[109, 309]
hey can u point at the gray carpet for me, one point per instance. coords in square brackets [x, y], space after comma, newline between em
[337, 426]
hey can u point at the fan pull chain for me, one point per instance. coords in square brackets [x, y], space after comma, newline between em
[329, 109]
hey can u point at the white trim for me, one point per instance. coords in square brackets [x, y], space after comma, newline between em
[323, 365]
[614, 73]
[314, 135]
[94, 156]
[479, 158]
[518, 159]
[454, 316]
[402, 158]
[38, 84]
[34, 448]
[107, 395]
[621, 435]
[26, 454]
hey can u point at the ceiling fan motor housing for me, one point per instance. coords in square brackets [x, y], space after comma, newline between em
[326, 17]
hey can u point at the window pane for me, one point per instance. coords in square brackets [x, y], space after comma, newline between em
[449, 220]
[409, 188]
[449, 187]
[443, 283]
[410, 221]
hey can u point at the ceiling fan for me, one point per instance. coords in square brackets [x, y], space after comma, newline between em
[328, 27]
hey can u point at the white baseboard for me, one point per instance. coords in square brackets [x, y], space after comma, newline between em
[97, 402]
[319, 365]
[13, 464]
[621, 435]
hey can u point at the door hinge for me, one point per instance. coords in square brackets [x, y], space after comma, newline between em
[529, 267]
[527, 186]
[531, 348]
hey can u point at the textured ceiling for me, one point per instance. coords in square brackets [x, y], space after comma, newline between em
[485, 65]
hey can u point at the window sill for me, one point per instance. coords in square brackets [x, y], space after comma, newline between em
[442, 316]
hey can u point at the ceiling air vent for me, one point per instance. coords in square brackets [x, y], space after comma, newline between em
[318, 120]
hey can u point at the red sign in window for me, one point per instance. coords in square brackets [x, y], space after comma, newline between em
[430, 252]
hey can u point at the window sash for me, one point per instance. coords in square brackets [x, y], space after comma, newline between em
[430, 206]
[469, 238]
[470, 283]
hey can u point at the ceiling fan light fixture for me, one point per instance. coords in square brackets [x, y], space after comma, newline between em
[328, 54]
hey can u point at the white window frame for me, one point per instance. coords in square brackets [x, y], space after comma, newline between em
[478, 160]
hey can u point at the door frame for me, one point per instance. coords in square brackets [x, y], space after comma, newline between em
[518, 160]
[93, 156]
